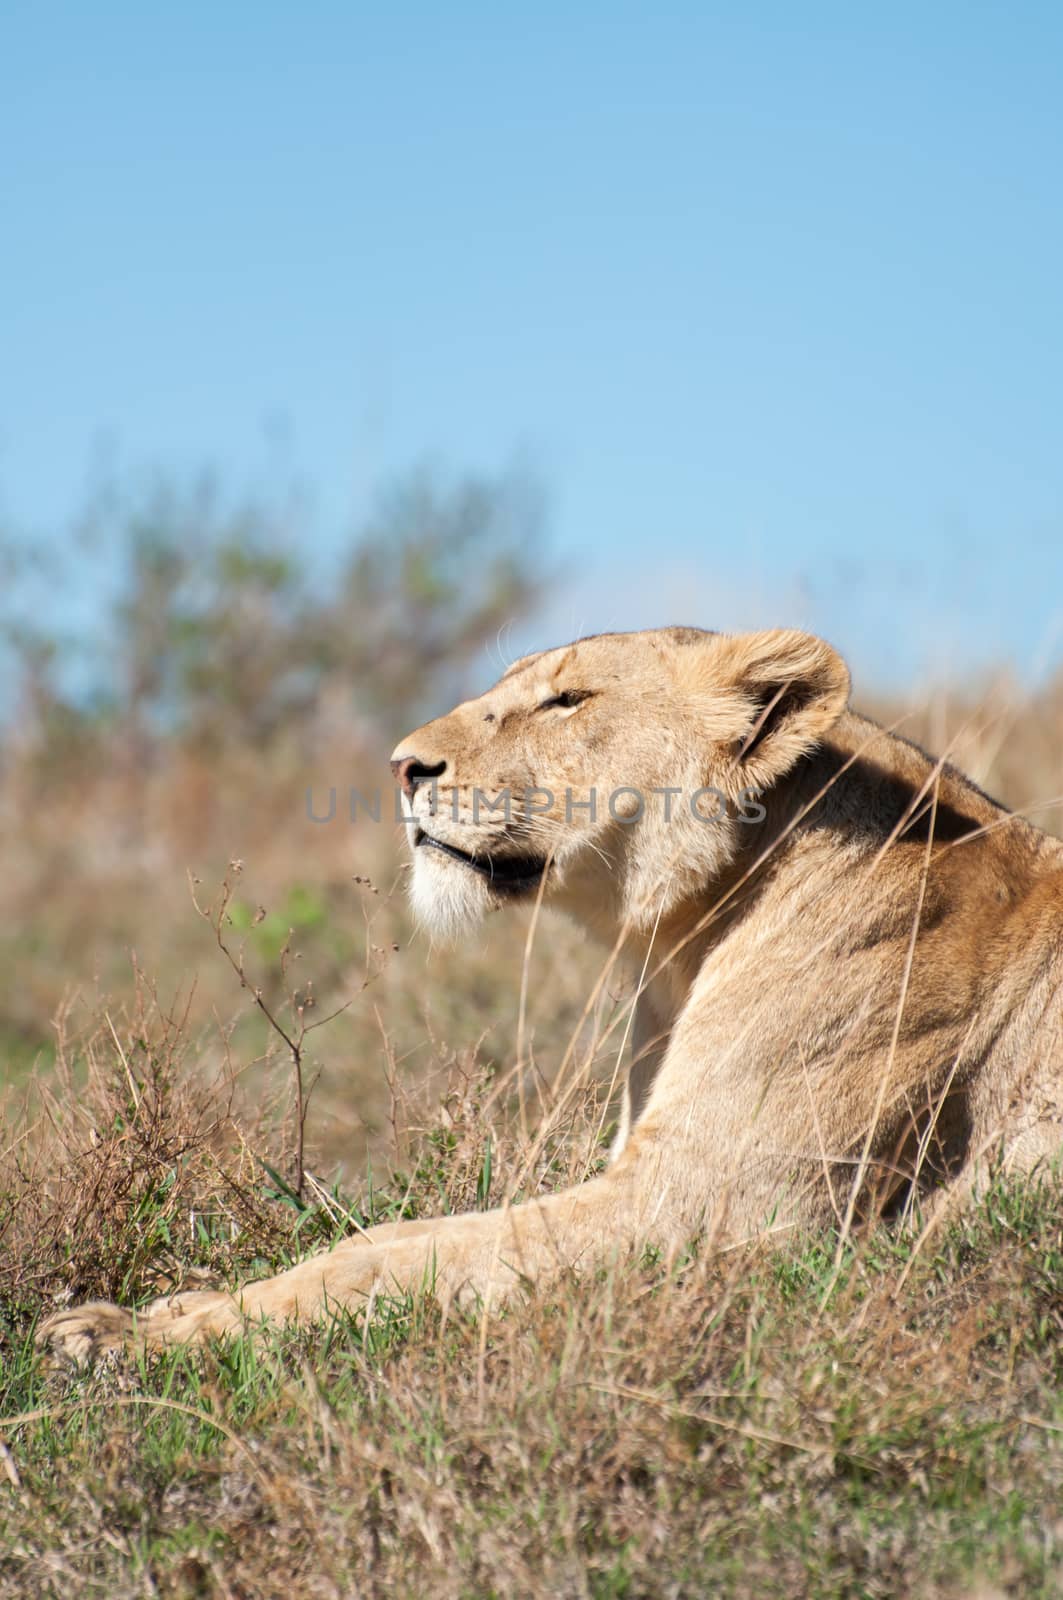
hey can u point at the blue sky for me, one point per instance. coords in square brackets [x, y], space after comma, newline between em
[768, 294]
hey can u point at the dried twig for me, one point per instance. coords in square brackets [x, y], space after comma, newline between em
[217, 915]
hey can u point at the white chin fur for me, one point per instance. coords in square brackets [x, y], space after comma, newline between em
[447, 898]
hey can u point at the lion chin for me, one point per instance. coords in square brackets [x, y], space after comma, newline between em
[448, 899]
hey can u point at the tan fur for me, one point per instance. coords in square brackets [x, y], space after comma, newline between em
[855, 997]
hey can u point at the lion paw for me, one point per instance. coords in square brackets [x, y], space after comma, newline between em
[84, 1332]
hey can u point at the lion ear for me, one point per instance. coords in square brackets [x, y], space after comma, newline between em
[771, 697]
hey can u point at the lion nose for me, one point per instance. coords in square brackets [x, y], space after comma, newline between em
[409, 772]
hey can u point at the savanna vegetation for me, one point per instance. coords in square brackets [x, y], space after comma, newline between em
[222, 1043]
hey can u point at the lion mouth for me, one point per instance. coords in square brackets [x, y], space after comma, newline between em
[510, 873]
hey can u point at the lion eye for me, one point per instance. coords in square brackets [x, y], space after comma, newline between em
[566, 700]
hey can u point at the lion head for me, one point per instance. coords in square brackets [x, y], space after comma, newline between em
[615, 777]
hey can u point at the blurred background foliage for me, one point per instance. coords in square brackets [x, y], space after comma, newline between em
[184, 719]
[216, 632]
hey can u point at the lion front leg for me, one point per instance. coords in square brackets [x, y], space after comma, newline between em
[485, 1255]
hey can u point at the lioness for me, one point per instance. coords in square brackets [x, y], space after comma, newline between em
[849, 961]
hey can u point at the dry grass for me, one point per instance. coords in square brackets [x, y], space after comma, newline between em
[668, 1428]
[94, 885]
